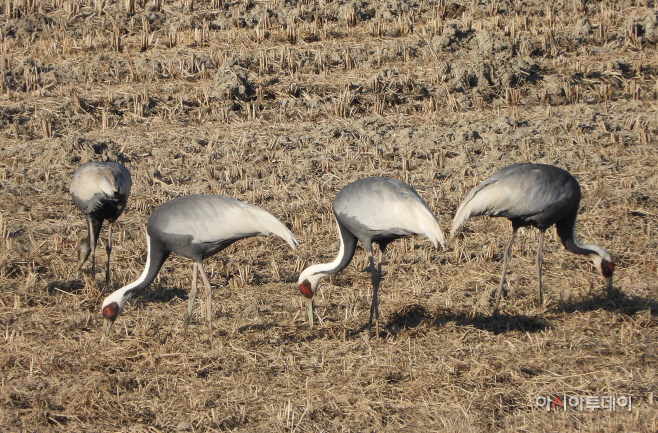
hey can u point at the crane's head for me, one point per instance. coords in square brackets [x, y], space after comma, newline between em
[112, 307]
[606, 266]
[308, 284]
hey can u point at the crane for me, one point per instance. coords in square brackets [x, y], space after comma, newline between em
[100, 191]
[537, 195]
[196, 227]
[373, 209]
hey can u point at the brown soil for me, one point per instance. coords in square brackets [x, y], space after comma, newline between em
[281, 104]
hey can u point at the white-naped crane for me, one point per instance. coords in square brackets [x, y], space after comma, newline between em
[194, 226]
[373, 209]
[537, 195]
[100, 191]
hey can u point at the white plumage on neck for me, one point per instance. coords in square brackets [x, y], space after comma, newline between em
[120, 296]
[595, 253]
[314, 273]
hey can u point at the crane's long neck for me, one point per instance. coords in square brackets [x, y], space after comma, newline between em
[155, 257]
[345, 254]
[94, 225]
[566, 229]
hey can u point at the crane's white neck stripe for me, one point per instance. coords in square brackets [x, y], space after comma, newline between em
[322, 268]
[597, 251]
[118, 295]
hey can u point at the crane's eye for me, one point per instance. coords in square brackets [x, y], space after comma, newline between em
[607, 268]
[305, 288]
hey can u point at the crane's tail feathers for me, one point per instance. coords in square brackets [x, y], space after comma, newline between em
[271, 225]
[438, 238]
[463, 213]
[473, 204]
[429, 225]
[456, 224]
[286, 235]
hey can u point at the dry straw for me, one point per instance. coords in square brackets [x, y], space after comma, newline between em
[283, 109]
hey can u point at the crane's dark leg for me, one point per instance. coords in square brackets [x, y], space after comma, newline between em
[92, 248]
[539, 263]
[506, 259]
[108, 250]
[379, 278]
[208, 300]
[190, 300]
[376, 274]
[374, 292]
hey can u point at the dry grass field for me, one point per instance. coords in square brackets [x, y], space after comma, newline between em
[282, 103]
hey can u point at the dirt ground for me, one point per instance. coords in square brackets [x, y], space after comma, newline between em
[281, 104]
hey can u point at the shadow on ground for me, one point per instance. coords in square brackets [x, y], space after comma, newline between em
[617, 301]
[73, 286]
[413, 315]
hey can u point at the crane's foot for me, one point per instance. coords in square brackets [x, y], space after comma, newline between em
[501, 292]
[376, 330]
[540, 303]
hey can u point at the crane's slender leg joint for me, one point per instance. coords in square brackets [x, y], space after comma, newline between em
[506, 259]
[190, 300]
[539, 263]
[208, 300]
[108, 250]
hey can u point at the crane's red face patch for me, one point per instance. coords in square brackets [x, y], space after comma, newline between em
[305, 288]
[111, 311]
[607, 268]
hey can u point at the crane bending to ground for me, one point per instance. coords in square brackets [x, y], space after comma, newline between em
[100, 191]
[196, 227]
[537, 195]
[374, 209]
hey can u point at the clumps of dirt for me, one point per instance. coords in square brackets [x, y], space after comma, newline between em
[230, 82]
[643, 25]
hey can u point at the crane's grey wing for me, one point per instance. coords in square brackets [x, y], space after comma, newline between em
[387, 207]
[535, 193]
[215, 219]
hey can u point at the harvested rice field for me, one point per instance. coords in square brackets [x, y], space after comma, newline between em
[281, 104]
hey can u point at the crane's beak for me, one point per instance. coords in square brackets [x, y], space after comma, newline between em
[107, 325]
[309, 310]
[608, 284]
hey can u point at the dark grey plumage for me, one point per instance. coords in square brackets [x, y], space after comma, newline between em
[100, 191]
[536, 195]
[196, 227]
[374, 209]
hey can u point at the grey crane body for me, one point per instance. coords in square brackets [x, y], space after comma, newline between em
[196, 227]
[100, 191]
[537, 195]
[372, 210]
